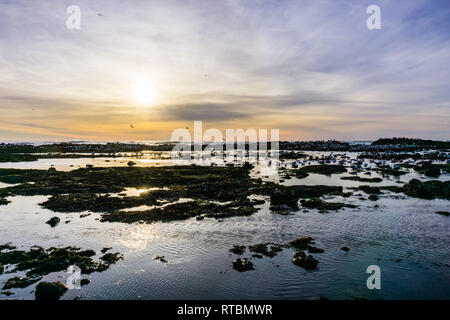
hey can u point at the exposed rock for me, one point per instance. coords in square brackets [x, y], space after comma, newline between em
[369, 189]
[40, 262]
[111, 258]
[317, 203]
[428, 189]
[7, 246]
[322, 169]
[346, 194]
[429, 169]
[263, 248]
[345, 249]
[312, 249]
[20, 282]
[301, 243]
[106, 249]
[444, 213]
[373, 197]
[391, 172]
[242, 265]
[282, 199]
[238, 249]
[282, 196]
[84, 282]
[161, 258]
[257, 202]
[356, 178]
[53, 221]
[306, 262]
[49, 290]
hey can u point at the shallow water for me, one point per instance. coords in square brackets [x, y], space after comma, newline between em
[403, 236]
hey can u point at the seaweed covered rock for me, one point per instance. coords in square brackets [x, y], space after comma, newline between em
[242, 265]
[427, 190]
[20, 282]
[84, 282]
[53, 221]
[283, 197]
[111, 258]
[7, 246]
[94, 202]
[161, 258]
[324, 205]
[49, 290]
[368, 189]
[301, 243]
[39, 262]
[4, 201]
[361, 179]
[17, 157]
[304, 261]
[322, 169]
[182, 211]
[237, 249]
[270, 250]
[390, 172]
[312, 249]
[264, 249]
[429, 169]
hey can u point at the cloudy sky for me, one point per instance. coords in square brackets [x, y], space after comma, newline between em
[310, 68]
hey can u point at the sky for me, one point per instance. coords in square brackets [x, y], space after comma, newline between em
[310, 68]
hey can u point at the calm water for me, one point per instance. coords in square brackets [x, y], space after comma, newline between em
[403, 236]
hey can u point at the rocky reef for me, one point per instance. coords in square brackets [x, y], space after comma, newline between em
[38, 262]
[270, 250]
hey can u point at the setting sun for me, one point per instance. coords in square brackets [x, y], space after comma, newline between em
[144, 93]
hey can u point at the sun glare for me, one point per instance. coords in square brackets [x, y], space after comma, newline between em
[144, 94]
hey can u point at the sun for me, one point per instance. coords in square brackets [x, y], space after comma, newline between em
[144, 93]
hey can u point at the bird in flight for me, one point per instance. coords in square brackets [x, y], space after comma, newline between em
[132, 127]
